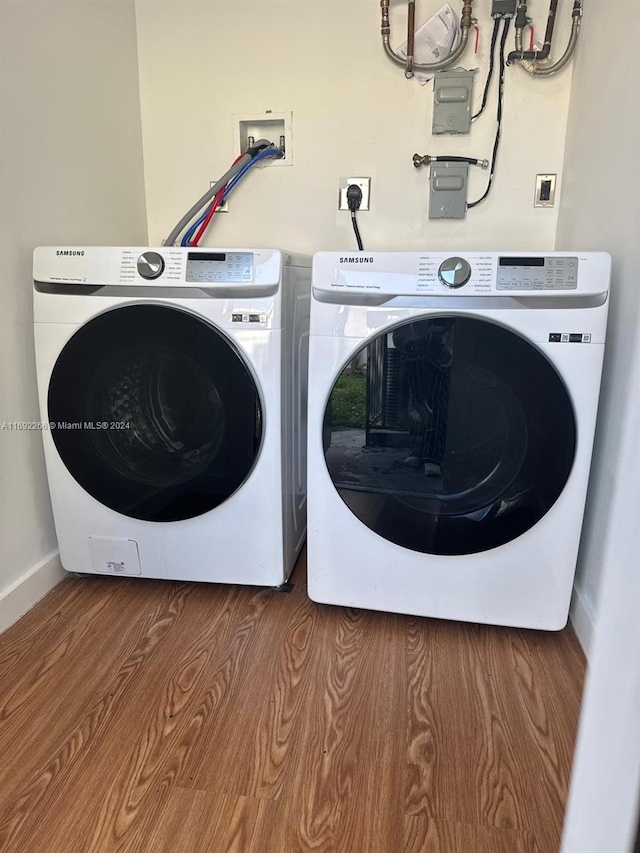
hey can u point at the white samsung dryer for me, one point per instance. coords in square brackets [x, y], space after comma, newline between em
[452, 408]
[172, 387]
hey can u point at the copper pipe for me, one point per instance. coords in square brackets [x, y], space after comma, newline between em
[411, 37]
[466, 23]
[551, 21]
[536, 55]
[545, 69]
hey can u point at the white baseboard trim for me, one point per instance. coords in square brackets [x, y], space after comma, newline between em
[29, 589]
[583, 619]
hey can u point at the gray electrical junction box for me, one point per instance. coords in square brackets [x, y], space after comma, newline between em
[503, 8]
[448, 185]
[452, 92]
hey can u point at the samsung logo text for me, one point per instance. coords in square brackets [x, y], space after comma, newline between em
[358, 260]
[70, 252]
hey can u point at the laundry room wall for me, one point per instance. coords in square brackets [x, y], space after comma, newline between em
[600, 209]
[354, 113]
[71, 174]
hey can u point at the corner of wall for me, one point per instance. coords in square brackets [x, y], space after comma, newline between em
[29, 588]
[598, 211]
[582, 617]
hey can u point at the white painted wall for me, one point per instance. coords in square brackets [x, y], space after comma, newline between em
[602, 810]
[71, 173]
[600, 209]
[353, 113]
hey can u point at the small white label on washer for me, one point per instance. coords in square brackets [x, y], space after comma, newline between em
[111, 555]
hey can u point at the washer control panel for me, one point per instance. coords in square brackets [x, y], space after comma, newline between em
[537, 273]
[205, 267]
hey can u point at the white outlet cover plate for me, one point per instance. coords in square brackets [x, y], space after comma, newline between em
[365, 186]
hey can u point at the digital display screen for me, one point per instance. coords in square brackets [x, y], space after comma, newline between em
[521, 262]
[207, 256]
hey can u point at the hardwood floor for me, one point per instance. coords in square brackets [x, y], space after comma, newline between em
[147, 717]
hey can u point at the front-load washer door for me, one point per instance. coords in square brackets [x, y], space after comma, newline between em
[155, 413]
[449, 435]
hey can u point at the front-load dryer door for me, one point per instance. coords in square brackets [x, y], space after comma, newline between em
[449, 435]
[155, 413]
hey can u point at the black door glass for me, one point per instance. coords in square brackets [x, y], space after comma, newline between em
[449, 435]
[156, 415]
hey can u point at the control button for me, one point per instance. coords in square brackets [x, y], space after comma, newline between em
[236, 318]
[454, 272]
[150, 265]
[554, 337]
[575, 339]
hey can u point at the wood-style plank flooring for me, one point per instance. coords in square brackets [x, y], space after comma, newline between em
[154, 717]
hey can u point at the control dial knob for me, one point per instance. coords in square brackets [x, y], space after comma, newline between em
[150, 265]
[454, 272]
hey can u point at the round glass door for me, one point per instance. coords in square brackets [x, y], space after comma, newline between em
[154, 413]
[449, 435]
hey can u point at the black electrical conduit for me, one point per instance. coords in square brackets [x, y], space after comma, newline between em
[496, 143]
[492, 57]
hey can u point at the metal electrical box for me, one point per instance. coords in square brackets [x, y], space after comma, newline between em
[452, 92]
[448, 185]
[503, 8]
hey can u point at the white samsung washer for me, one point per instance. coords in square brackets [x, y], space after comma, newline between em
[172, 388]
[452, 408]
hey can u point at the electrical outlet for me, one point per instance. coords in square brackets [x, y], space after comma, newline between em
[224, 207]
[365, 186]
[545, 191]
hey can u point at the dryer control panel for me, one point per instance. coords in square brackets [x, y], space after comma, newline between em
[537, 273]
[460, 275]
